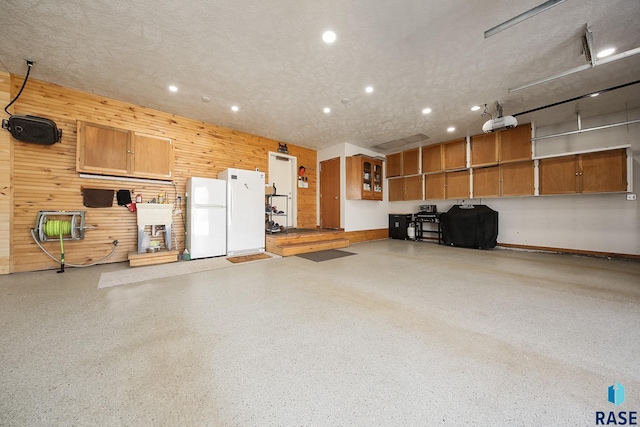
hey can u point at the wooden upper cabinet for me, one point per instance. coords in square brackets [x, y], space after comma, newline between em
[396, 189]
[515, 144]
[559, 175]
[484, 149]
[413, 187]
[457, 185]
[598, 172]
[152, 156]
[405, 188]
[102, 149]
[432, 158]
[411, 162]
[510, 145]
[364, 178]
[486, 182]
[454, 154]
[110, 151]
[604, 171]
[511, 179]
[434, 188]
[516, 179]
[394, 165]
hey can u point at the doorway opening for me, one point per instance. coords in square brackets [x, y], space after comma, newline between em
[283, 175]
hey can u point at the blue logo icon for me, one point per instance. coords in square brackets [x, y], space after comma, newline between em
[616, 394]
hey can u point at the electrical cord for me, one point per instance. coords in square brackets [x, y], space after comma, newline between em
[113, 251]
[6, 109]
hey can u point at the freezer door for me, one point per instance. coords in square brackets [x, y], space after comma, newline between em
[245, 213]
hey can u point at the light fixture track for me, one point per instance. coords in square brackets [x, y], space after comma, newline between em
[522, 17]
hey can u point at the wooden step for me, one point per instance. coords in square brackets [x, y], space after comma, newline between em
[160, 257]
[304, 241]
[290, 249]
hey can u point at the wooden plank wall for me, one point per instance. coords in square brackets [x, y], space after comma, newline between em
[44, 177]
[5, 181]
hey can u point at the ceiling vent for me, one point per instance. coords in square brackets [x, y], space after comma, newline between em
[400, 143]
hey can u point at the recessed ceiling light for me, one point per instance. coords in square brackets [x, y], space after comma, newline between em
[234, 108]
[475, 108]
[593, 95]
[606, 52]
[326, 110]
[426, 111]
[329, 36]
[173, 88]
[368, 89]
[450, 129]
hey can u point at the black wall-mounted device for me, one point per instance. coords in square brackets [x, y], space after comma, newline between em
[36, 130]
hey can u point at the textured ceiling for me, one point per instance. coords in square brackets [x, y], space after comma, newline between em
[268, 58]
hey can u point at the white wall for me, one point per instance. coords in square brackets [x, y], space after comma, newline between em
[598, 222]
[356, 215]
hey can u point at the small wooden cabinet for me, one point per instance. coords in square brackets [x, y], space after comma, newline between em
[364, 178]
[411, 162]
[597, 172]
[454, 154]
[394, 165]
[447, 185]
[110, 151]
[509, 145]
[405, 188]
[432, 158]
[511, 179]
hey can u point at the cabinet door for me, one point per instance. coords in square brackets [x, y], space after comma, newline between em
[102, 149]
[558, 175]
[434, 186]
[432, 158]
[413, 187]
[515, 144]
[354, 178]
[486, 182]
[152, 156]
[377, 180]
[517, 179]
[605, 171]
[394, 165]
[396, 189]
[454, 154]
[484, 150]
[457, 184]
[411, 162]
[367, 179]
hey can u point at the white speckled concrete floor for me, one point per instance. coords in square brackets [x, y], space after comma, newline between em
[403, 333]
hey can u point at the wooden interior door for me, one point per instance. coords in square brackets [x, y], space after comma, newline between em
[330, 193]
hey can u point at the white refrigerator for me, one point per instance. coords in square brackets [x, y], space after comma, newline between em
[206, 201]
[245, 210]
